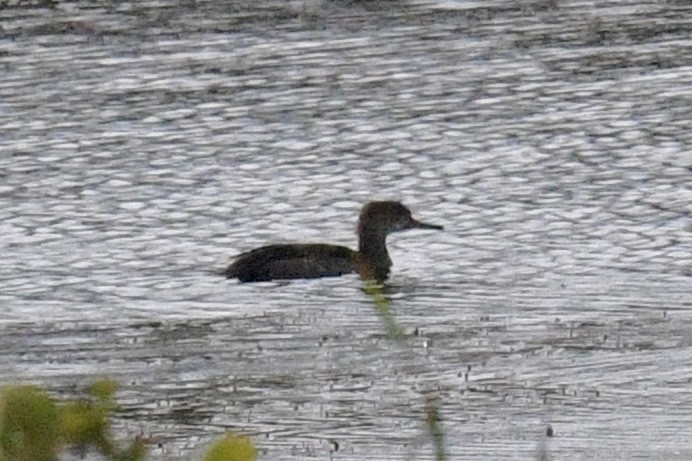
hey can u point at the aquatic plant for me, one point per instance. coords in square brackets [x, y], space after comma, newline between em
[383, 305]
[384, 309]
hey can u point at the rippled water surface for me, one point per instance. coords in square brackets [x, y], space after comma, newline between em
[143, 144]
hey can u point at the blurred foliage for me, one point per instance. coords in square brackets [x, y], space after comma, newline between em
[383, 304]
[232, 448]
[29, 425]
[432, 421]
[384, 309]
[35, 427]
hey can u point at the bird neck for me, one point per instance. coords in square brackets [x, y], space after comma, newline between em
[372, 245]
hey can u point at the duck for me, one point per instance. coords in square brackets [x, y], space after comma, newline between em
[371, 261]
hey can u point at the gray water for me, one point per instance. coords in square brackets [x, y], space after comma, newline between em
[143, 145]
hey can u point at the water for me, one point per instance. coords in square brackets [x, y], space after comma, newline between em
[142, 145]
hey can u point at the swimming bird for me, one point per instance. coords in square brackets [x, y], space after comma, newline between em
[298, 260]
